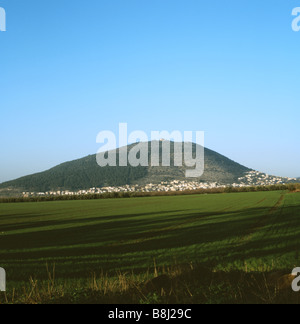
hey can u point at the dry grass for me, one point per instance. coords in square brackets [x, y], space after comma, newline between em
[183, 284]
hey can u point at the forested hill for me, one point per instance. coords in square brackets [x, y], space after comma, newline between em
[85, 173]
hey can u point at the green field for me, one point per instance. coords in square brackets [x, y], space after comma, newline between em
[249, 232]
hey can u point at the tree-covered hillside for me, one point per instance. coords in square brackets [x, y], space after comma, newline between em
[85, 173]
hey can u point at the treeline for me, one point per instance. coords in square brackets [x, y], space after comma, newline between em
[114, 195]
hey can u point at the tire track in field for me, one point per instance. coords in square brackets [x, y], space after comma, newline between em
[282, 230]
[262, 222]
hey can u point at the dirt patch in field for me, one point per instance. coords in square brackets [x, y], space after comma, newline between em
[281, 280]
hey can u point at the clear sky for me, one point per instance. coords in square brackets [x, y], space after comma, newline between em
[70, 69]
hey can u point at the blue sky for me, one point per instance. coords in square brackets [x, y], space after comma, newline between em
[70, 69]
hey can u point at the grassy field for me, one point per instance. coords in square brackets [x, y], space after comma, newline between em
[113, 246]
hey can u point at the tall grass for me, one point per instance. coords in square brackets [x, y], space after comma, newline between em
[179, 284]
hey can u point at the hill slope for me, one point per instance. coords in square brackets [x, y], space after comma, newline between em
[85, 173]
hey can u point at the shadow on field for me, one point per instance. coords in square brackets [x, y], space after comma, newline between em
[71, 221]
[224, 236]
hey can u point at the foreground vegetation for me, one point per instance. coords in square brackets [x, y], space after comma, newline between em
[235, 247]
[184, 284]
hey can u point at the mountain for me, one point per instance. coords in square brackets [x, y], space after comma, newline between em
[85, 173]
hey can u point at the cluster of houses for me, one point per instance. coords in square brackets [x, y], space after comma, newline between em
[175, 185]
[255, 178]
[251, 178]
